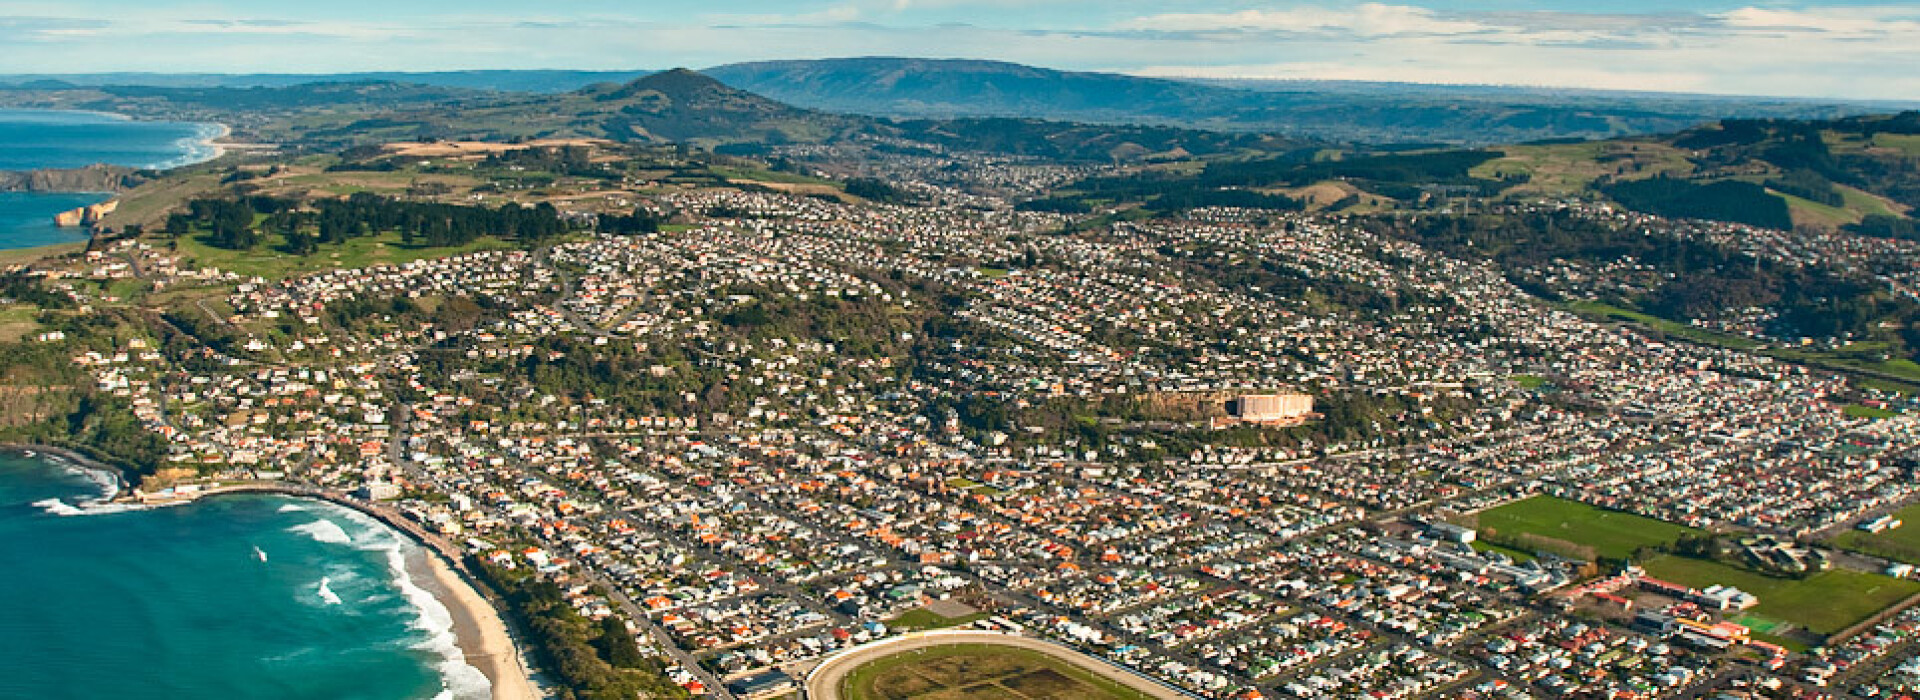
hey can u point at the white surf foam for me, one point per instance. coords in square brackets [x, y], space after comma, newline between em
[323, 531]
[326, 593]
[108, 482]
[291, 508]
[58, 507]
[461, 680]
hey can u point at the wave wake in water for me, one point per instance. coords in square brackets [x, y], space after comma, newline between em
[326, 592]
[324, 531]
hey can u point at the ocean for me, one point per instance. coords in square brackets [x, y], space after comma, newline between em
[34, 139]
[231, 597]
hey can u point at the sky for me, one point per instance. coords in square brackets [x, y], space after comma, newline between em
[1827, 49]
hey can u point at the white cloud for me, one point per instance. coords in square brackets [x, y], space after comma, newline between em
[1819, 52]
[1851, 22]
[1368, 20]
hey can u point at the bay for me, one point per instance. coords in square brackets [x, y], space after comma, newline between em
[36, 139]
[232, 597]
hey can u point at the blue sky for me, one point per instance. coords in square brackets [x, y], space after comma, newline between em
[1758, 47]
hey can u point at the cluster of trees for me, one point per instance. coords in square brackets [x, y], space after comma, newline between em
[877, 190]
[1808, 185]
[1072, 142]
[229, 222]
[1800, 148]
[1701, 279]
[1235, 183]
[565, 160]
[1887, 226]
[642, 220]
[1297, 169]
[431, 224]
[592, 660]
[244, 223]
[1728, 200]
[49, 400]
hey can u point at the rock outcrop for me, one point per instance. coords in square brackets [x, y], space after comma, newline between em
[93, 178]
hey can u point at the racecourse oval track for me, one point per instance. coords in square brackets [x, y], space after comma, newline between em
[823, 683]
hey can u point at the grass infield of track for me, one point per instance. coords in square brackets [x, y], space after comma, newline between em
[978, 672]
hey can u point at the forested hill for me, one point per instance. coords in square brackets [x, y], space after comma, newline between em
[1859, 173]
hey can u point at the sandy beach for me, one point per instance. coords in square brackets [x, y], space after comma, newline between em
[479, 631]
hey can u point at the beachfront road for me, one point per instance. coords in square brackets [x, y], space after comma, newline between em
[824, 682]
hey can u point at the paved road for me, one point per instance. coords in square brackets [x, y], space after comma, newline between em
[824, 682]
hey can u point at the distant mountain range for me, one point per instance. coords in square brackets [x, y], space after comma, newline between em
[676, 106]
[493, 80]
[1358, 112]
[910, 88]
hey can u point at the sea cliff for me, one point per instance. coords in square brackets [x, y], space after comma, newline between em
[93, 178]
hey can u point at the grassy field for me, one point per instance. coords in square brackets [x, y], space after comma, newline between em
[1673, 328]
[1567, 168]
[1855, 358]
[1529, 381]
[1905, 143]
[22, 256]
[1824, 603]
[924, 619]
[268, 261]
[1897, 374]
[17, 322]
[1902, 543]
[1864, 202]
[1859, 411]
[1516, 555]
[1807, 212]
[1607, 533]
[979, 672]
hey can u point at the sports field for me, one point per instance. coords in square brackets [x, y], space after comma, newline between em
[1545, 521]
[978, 672]
[1901, 543]
[1823, 603]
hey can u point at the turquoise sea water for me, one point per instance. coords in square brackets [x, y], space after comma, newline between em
[33, 139]
[232, 597]
[26, 220]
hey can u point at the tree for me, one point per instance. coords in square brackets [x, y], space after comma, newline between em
[617, 645]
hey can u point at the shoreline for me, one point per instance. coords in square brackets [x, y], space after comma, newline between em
[72, 457]
[480, 630]
[221, 132]
[203, 146]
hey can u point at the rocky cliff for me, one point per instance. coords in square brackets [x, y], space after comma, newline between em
[93, 178]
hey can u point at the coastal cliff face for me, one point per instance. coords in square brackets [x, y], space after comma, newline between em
[93, 178]
[86, 216]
